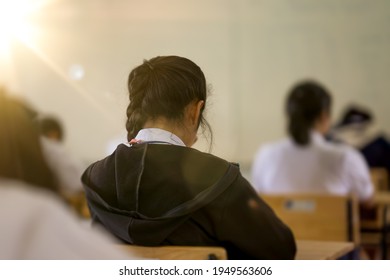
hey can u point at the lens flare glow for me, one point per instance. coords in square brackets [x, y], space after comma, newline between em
[14, 22]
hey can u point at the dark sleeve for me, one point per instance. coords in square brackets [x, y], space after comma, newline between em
[249, 227]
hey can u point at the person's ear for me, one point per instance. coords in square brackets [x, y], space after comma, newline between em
[197, 111]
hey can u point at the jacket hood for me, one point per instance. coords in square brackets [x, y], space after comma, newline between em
[145, 192]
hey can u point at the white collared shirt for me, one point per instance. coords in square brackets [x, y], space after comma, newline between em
[160, 135]
[320, 167]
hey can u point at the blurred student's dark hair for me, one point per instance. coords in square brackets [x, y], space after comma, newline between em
[355, 114]
[50, 124]
[306, 102]
[20, 147]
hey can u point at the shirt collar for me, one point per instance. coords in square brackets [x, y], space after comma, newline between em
[157, 134]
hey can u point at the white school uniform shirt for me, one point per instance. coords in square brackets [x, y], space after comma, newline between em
[35, 224]
[320, 167]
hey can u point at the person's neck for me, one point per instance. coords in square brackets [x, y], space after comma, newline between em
[166, 125]
[319, 131]
[320, 128]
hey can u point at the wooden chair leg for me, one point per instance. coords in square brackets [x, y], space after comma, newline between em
[384, 235]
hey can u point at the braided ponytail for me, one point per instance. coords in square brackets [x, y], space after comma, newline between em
[134, 122]
[135, 116]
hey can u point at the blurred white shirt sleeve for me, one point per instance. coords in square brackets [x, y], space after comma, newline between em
[37, 225]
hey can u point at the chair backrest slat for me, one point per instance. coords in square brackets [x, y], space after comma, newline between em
[380, 179]
[317, 216]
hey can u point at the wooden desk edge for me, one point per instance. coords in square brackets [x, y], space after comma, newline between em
[322, 250]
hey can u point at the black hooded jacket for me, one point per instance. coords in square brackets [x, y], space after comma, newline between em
[156, 194]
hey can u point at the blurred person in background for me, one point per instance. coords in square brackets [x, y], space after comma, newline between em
[305, 162]
[35, 223]
[67, 167]
[51, 128]
[159, 191]
[357, 128]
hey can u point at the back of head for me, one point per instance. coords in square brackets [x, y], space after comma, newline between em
[51, 127]
[305, 105]
[20, 148]
[162, 87]
[355, 115]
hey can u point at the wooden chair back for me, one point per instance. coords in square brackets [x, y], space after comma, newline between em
[380, 179]
[177, 252]
[318, 217]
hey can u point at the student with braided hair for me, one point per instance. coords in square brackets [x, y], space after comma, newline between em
[159, 191]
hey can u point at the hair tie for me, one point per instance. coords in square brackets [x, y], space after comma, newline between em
[135, 141]
[148, 64]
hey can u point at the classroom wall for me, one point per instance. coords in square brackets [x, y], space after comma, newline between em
[252, 51]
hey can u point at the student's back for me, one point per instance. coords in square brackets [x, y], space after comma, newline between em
[321, 167]
[160, 191]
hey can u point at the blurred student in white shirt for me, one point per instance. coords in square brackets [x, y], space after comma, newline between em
[304, 162]
[66, 166]
[35, 223]
[358, 128]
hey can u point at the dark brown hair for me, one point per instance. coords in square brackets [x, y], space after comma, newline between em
[49, 124]
[21, 156]
[164, 86]
[305, 104]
